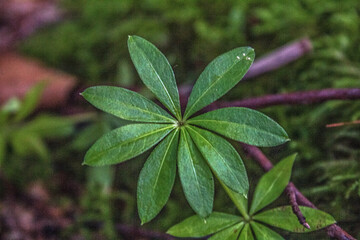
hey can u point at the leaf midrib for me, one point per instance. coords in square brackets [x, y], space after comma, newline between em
[162, 161]
[131, 140]
[222, 158]
[253, 209]
[192, 165]
[242, 125]
[140, 109]
[159, 78]
[208, 89]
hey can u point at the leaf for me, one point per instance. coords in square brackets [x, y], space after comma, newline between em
[284, 218]
[246, 233]
[272, 184]
[48, 126]
[25, 144]
[244, 125]
[30, 101]
[156, 72]
[2, 148]
[157, 178]
[126, 104]
[223, 159]
[264, 233]
[196, 226]
[125, 142]
[222, 74]
[239, 200]
[196, 178]
[230, 233]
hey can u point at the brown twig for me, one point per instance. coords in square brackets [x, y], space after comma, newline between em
[256, 154]
[342, 124]
[132, 231]
[290, 191]
[295, 98]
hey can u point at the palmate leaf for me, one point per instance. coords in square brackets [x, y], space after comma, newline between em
[223, 159]
[157, 178]
[246, 233]
[126, 104]
[272, 184]
[196, 177]
[196, 226]
[125, 142]
[284, 218]
[222, 74]
[244, 125]
[240, 201]
[156, 73]
[264, 233]
[230, 233]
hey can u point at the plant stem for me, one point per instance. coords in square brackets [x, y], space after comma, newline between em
[295, 98]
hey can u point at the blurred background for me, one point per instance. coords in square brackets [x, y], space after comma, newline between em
[51, 50]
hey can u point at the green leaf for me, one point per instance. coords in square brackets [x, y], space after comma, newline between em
[264, 233]
[223, 159]
[246, 233]
[284, 218]
[230, 233]
[239, 200]
[272, 184]
[156, 72]
[196, 177]
[126, 104]
[48, 126]
[244, 125]
[30, 101]
[222, 74]
[25, 144]
[125, 142]
[2, 148]
[157, 178]
[196, 226]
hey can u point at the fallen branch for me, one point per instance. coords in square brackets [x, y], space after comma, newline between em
[295, 98]
[256, 154]
[290, 190]
[132, 231]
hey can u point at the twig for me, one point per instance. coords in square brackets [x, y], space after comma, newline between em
[295, 98]
[134, 231]
[342, 124]
[295, 206]
[256, 154]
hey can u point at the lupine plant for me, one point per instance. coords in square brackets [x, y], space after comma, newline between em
[192, 144]
[251, 222]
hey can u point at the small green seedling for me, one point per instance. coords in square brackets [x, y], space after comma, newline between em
[225, 226]
[191, 143]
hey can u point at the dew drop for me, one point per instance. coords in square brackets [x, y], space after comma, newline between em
[244, 54]
[205, 221]
[238, 57]
[248, 58]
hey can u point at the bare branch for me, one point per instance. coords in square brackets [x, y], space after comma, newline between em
[295, 98]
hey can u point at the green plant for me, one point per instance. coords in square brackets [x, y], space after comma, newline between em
[199, 152]
[230, 227]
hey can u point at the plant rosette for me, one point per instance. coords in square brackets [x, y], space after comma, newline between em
[193, 145]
